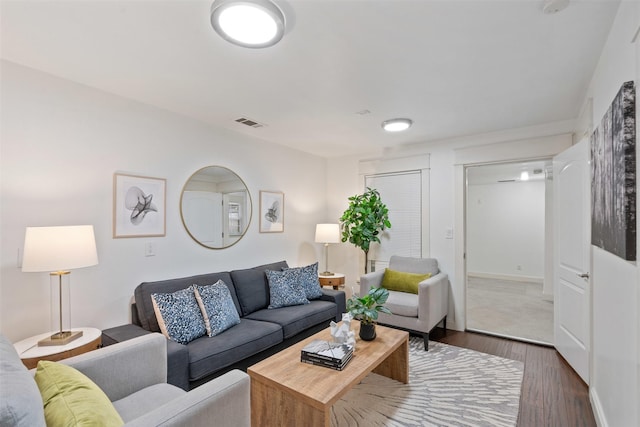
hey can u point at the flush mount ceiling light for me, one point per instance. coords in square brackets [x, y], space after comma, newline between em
[396, 125]
[553, 6]
[248, 23]
[524, 176]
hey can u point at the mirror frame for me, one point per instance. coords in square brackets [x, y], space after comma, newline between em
[249, 208]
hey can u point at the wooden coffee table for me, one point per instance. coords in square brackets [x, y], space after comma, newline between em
[285, 391]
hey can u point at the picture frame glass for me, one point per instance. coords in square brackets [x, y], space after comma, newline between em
[271, 212]
[139, 206]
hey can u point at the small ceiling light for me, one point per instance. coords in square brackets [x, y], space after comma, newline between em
[524, 176]
[554, 6]
[248, 23]
[396, 125]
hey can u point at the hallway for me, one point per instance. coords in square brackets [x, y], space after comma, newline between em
[509, 308]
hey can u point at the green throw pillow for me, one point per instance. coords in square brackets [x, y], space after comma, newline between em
[72, 399]
[403, 282]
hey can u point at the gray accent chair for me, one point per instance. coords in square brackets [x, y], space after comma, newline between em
[133, 374]
[417, 313]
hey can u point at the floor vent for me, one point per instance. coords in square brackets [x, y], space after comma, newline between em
[249, 122]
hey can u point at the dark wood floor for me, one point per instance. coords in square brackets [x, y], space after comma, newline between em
[552, 393]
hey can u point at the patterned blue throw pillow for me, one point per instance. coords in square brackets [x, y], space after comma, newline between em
[285, 288]
[217, 307]
[309, 280]
[179, 315]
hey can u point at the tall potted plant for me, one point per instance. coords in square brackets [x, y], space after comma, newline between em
[366, 308]
[364, 220]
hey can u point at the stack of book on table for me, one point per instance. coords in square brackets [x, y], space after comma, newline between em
[327, 353]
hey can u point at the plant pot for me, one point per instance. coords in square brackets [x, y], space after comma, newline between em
[368, 331]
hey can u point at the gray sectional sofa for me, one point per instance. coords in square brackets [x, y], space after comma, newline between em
[260, 333]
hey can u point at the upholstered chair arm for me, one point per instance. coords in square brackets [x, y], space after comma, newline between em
[124, 368]
[337, 297]
[433, 299]
[223, 402]
[370, 280]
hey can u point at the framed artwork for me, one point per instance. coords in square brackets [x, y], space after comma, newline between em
[613, 175]
[139, 206]
[271, 212]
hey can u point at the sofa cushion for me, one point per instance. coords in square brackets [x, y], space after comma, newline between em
[401, 281]
[179, 315]
[285, 288]
[252, 288]
[217, 307]
[71, 398]
[210, 354]
[297, 318]
[402, 304]
[20, 401]
[309, 280]
[249, 337]
[146, 400]
[143, 291]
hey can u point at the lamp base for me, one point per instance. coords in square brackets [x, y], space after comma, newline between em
[326, 273]
[60, 338]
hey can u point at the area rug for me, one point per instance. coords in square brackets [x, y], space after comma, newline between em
[448, 386]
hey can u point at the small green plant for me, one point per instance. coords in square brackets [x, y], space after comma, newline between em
[366, 308]
[364, 220]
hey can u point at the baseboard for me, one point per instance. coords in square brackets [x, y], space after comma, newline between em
[512, 278]
[598, 413]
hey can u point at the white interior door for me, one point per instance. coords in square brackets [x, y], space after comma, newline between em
[203, 216]
[572, 235]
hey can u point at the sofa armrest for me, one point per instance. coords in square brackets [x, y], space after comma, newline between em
[223, 401]
[124, 368]
[177, 364]
[337, 297]
[370, 280]
[177, 354]
[433, 299]
[122, 333]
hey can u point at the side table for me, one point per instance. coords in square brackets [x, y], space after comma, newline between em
[335, 281]
[31, 353]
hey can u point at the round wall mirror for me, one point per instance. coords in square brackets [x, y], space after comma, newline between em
[215, 207]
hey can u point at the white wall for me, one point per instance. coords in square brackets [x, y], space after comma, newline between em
[506, 230]
[615, 376]
[62, 143]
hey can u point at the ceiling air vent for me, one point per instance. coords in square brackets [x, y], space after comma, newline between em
[249, 122]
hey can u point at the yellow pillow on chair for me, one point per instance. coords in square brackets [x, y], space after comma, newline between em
[401, 281]
[71, 399]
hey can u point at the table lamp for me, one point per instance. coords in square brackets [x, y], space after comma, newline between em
[58, 250]
[327, 233]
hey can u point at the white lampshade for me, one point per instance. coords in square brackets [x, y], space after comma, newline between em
[59, 248]
[328, 233]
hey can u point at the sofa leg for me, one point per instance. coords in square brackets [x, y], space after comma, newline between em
[444, 324]
[425, 338]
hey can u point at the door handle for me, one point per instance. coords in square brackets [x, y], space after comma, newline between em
[584, 276]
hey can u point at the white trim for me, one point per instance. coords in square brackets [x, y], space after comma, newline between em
[598, 412]
[393, 164]
[511, 277]
[525, 149]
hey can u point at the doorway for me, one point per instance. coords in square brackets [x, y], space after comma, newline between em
[508, 250]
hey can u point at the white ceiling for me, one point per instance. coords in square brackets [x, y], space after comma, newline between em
[454, 67]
